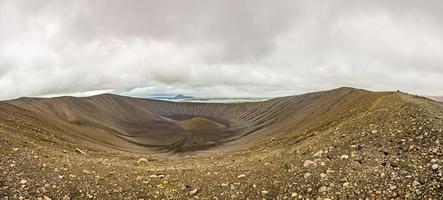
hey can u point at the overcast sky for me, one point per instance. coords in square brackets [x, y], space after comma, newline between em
[219, 48]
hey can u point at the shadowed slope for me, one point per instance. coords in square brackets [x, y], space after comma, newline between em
[158, 126]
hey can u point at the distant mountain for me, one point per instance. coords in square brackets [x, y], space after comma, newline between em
[180, 96]
[169, 97]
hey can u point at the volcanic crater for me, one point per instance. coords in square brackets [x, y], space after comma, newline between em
[152, 126]
[340, 144]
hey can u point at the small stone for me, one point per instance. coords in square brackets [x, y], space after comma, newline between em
[435, 166]
[374, 131]
[309, 163]
[344, 157]
[395, 163]
[294, 194]
[193, 192]
[323, 175]
[307, 175]
[16, 149]
[264, 192]
[346, 184]
[318, 154]
[153, 176]
[241, 176]
[23, 181]
[46, 197]
[323, 189]
[80, 151]
[142, 161]
[353, 154]
[415, 183]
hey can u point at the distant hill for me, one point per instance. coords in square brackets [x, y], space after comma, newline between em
[170, 97]
[436, 98]
[180, 96]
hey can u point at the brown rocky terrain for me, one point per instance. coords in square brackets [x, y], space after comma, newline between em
[339, 144]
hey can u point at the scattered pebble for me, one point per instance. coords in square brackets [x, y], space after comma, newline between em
[241, 176]
[415, 184]
[309, 163]
[80, 151]
[193, 192]
[318, 154]
[142, 161]
[323, 189]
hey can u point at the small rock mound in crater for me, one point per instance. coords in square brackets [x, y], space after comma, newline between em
[199, 123]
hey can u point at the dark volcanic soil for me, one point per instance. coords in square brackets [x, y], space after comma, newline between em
[339, 144]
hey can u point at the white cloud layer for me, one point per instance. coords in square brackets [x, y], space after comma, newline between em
[219, 48]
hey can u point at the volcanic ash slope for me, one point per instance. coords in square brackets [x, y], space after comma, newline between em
[339, 144]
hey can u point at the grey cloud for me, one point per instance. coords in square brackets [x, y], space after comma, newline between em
[249, 47]
[243, 30]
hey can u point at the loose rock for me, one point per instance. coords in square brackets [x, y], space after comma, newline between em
[193, 192]
[309, 163]
[323, 189]
[80, 151]
[142, 161]
[241, 176]
[318, 154]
